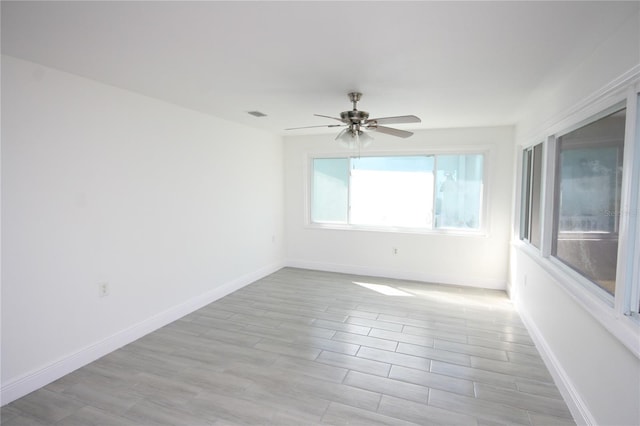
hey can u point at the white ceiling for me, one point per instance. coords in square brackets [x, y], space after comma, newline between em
[451, 63]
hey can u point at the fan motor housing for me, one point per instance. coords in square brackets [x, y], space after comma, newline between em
[354, 116]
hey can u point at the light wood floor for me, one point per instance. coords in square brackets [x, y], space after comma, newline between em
[305, 347]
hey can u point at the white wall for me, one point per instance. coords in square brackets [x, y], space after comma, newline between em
[171, 207]
[563, 93]
[598, 374]
[465, 260]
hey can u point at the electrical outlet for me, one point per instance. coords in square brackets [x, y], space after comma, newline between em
[103, 289]
[395, 250]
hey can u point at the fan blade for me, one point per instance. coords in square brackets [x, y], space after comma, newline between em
[390, 131]
[311, 127]
[394, 120]
[326, 116]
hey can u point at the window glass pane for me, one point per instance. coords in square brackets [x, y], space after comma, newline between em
[588, 199]
[459, 191]
[330, 190]
[392, 191]
[527, 159]
[536, 185]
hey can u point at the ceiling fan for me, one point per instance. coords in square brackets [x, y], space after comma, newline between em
[355, 123]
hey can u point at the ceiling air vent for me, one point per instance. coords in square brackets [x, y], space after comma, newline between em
[257, 113]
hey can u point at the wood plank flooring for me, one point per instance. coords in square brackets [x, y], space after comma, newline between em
[305, 347]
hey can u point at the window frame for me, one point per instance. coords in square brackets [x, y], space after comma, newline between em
[482, 230]
[585, 282]
[525, 194]
[528, 186]
[627, 301]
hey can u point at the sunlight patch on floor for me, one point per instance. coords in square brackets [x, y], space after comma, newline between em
[384, 289]
[463, 300]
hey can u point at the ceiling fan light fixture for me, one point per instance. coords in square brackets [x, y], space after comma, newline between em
[352, 136]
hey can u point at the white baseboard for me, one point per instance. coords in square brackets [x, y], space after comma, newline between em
[398, 274]
[576, 404]
[34, 380]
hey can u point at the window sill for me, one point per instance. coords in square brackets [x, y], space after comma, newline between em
[399, 230]
[624, 328]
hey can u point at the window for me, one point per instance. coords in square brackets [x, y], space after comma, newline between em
[413, 192]
[587, 199]
[531, 186]
[581, 209]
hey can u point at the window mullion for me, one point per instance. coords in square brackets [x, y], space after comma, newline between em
[628, 298]
[633, 301]
[349, 191]
[532, 166]
[434, 224]
[547, 197]
[634, 282]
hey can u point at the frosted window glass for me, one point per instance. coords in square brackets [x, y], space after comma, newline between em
[330, 190]
[459, 191]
